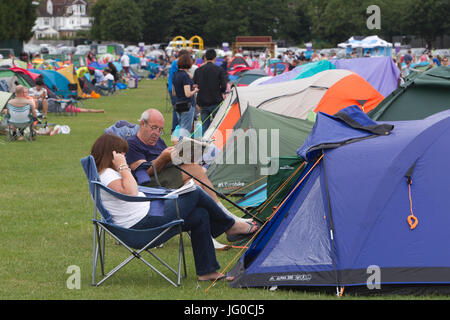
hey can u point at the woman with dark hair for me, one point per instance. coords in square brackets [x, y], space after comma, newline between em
[184, 91]
[113, 71]
[201, 215]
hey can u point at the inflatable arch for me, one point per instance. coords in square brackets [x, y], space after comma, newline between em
[193, 41]
[198, 43]
[179, 38]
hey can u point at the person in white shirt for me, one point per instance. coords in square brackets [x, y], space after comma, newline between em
[125, 61]
[39, 95]
[201, 215]
[107, 76]
[103, 84]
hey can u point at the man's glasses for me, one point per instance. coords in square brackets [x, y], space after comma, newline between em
[156, 128]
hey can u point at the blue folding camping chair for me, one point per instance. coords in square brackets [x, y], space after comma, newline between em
[135, 241]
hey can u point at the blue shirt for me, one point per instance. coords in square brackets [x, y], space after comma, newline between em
[138, 150]
[99, 76]
[172, 70]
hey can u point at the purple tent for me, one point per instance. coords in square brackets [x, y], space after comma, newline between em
[302, 71]
[290, 75]
[380, 72]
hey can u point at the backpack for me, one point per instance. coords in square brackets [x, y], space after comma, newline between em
[123, 128]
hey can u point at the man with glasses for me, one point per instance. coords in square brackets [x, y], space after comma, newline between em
[147, 146]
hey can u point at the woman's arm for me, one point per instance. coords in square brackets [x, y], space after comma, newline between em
[187, 90]
[126, 185]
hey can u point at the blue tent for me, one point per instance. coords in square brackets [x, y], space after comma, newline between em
[355, 210]
[54, 79]
[97, 65]
[255, 197]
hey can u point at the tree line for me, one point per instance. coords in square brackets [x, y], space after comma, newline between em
[324, 22]
[297, 21]
[17, 18]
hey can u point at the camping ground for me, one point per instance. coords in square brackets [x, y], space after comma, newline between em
[46, 212]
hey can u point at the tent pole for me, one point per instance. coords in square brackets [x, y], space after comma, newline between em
[221, 195]
[331, 225]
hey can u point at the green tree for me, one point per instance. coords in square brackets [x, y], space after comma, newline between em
[337, 20]
[190, 17]
[393, 18]
[96, 12]
[429, 19]
[227, 19]
[296, 25]
[157, 17]
[17, 19]
[117, 20]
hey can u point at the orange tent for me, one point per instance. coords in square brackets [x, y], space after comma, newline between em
[350, 90]
[328, 91]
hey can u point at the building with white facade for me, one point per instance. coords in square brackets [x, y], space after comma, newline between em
[58, 18]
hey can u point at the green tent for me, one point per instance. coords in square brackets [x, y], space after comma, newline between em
[251, 153]
[422, 95]
[10, 77]
[279, 185]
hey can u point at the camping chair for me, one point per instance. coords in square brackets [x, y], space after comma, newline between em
[66, 98]
[135, 241]
[107, 90]
[111, 87]
[69, 93]
[18, 120]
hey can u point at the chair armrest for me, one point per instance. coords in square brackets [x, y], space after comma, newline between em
[168, 224]
[124, 197]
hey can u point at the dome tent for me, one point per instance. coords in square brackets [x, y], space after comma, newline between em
[352, 211]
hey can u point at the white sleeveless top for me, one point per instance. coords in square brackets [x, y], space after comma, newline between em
[124, 214]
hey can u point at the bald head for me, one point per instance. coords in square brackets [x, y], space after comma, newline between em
[152, 124]
[152, 114]
[19, 91]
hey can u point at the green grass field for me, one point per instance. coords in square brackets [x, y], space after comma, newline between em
[46, 212]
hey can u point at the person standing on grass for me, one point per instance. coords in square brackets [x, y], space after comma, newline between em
[125, 61]
[184, 90]
[172, 70]
[212, 84]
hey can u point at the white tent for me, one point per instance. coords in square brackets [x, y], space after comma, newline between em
[372, 45]
[294, 98]
[365, 43]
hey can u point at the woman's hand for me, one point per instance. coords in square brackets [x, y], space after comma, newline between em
[118, 160]
[126, 185]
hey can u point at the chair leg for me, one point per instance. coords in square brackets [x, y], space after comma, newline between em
[10, 135]
[94, 254]
[181, 257]
[98, 252]
[103, 236]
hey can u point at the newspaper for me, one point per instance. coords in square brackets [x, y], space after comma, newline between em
[188, 187]
[189, 150]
